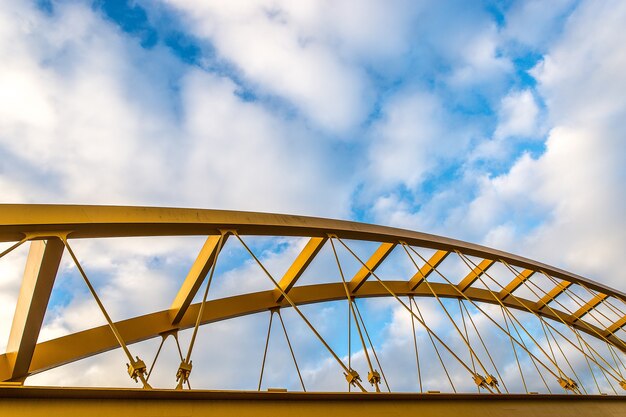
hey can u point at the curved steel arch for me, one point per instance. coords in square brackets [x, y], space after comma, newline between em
[48, 222]
[41, 220]
[97, 340]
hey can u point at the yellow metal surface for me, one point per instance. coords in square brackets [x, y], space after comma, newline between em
[480, 269]
[615, 326]
[83, 344]
[53, 402]
[196, 275]
[516, 283]
[553, 293]
[372, 263]
[42, 264]
[312, 248]
[427, 269]
[590, 305]
[18, 220]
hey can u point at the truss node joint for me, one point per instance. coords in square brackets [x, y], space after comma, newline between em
[136, 369]
[568, 384]
[491, 381]
[480, 380]
[352, 377]
[182, 375]
[373, 377]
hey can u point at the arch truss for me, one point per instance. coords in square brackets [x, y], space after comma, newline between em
[568, 329]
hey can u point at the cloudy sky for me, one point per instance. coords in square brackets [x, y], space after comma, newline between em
[496, 122]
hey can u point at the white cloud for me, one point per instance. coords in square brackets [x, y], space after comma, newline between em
[94, 119]
[582, 76]
[577, 184]
[84, 131]
[517, 115]
[481, 62]
[277, 48]
[412, 138]
[519, 120]
[535, 23]
[276, 165]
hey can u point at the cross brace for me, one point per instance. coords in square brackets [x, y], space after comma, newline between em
[480, 269]
[372, 263]
[427, 269]
[552, 294]
[297, 268]
[41, 269]
[590, 305]
[515, 283]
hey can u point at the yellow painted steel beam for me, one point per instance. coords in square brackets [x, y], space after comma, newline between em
[80, 345]
[40, 272]
[615, 326]
[480, 269]
[553, 293]
[17, 220]
[372, 263]
[99, 402]
[297, 268]
[427, 269]
[515, 283]
[195, 277]
[589, 305]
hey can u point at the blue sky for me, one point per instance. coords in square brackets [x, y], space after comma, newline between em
[496, 122]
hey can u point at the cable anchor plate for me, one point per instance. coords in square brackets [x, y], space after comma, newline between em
[136, 369]
[568, 384]
[182, 375]
[373, 377]
[352, 377]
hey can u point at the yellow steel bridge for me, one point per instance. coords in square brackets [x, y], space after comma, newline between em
[563, 333]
